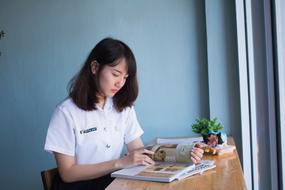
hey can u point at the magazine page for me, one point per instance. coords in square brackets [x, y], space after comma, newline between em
[172, 152]
[183, 152]
[164, 153]
[164, 170]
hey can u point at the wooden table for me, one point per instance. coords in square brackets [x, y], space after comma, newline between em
[227, 175]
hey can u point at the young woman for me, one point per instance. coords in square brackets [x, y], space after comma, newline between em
[88, 130]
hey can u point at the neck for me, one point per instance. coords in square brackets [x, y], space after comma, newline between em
[101, 101]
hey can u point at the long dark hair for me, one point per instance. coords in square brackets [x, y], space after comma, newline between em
[85, 85]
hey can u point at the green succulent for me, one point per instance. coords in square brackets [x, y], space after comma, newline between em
[204, 126]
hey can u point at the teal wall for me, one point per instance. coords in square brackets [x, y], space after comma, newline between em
[224, 101]
[46, 43]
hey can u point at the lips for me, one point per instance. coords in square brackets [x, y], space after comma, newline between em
[114, 90]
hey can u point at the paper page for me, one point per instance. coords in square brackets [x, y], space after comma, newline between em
[188, 140]
[172, 152]
[164, 170]
[183, 152]
[131, 171]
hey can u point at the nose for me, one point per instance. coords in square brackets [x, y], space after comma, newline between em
[120, 83]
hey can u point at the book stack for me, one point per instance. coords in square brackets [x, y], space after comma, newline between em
[223, 149]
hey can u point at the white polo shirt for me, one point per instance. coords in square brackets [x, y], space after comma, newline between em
[91, 136]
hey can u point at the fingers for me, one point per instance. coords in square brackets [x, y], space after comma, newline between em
[142, 151]
[196, 155]
[140, 157]
[145, 151]
[147, 160]
[198, 151]
[198, 145]
[144, 159]
[195, 158]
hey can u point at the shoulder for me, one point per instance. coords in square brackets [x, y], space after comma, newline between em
[67, 111]
[129, 112]
[68, 106]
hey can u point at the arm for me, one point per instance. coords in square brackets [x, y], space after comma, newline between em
[135, 145]
[71, 172]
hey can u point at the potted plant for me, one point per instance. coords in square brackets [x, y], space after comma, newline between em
[211, 131]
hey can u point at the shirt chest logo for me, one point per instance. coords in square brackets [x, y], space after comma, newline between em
[88, 130]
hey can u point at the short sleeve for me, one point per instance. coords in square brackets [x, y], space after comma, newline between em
[60, 135]
[133, 129]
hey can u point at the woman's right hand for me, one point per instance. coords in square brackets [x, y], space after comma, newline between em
[136, 157]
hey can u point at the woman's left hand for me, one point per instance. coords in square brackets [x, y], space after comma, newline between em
[196, 154]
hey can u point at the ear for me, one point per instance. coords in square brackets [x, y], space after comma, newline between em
[94, 66]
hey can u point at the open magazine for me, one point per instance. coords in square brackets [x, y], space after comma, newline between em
[172, 162]
[160, 172]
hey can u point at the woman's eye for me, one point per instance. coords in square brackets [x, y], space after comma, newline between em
[115, 75]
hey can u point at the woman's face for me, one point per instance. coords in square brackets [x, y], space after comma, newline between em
[112, 79]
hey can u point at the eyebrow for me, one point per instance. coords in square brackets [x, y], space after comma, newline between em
[120, 71]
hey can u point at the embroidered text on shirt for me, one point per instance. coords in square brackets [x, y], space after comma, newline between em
[88, 130]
